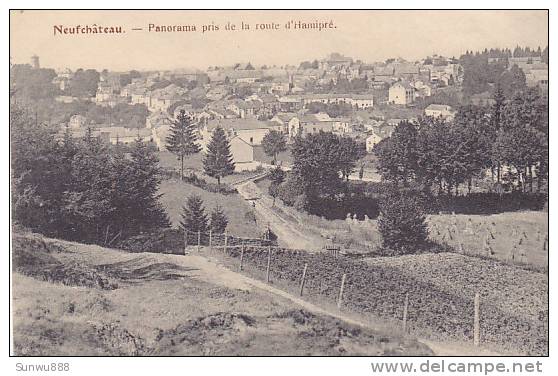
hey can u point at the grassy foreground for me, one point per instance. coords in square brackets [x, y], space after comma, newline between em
[155, 304]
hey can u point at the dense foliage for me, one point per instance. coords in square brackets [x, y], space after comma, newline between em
[218, 220]
[193, 217]
[82, 189]
[509, 140]
[273, 143]
[402, 222]
[276, 177]
[480, 73]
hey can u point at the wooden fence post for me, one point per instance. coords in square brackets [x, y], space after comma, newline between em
[405, 309]
[268, 263]
[242, 255]
[185, 240]
[476, 321]
[210, 240]
[199, 240]
[303, 278]
[340, 299]
[225, 248]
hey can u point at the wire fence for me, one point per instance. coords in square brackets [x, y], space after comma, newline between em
[354, 285]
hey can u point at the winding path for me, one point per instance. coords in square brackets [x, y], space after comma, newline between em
[290, 232]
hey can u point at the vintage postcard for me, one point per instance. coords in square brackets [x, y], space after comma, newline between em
[280, 183]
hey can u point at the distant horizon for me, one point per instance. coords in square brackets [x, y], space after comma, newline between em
[269, 65]
[369, 36]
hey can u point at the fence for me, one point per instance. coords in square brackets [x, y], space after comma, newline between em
[357, 286]
[224, 240]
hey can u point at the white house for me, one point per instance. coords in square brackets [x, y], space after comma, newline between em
[250, 130]
[401, 93]
[125, 135]
[440, 111]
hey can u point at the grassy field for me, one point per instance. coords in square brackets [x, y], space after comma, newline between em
[515, 237]
[499, 236]
[514, 290]
[174, 193]
[441, 289]
[168, 305]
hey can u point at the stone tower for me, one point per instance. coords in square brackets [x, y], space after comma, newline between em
[35, 62]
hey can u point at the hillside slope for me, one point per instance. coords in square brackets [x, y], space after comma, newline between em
[75, 299]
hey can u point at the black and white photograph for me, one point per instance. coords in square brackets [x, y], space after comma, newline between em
[295, 183]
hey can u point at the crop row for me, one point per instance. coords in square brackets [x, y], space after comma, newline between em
[380, 290]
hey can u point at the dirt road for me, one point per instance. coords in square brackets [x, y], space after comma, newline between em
[291, 234]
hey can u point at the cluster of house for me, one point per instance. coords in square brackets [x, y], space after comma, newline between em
[248, 103]
[78, 125]
[536, 71]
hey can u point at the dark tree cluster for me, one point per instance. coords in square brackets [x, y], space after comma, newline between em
[322, 163]
[194, 219]
[333, 109]
[510, 141]
[402, 222]
[82, 189]
[33, 84]
[84, 83]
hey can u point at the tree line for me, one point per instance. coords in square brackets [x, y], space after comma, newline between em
[509, 140]
[480, 73]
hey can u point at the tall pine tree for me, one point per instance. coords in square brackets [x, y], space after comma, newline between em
[143, 182]
[218, 161]
[182, 139]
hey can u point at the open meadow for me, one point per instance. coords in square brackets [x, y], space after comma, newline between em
[174, 193]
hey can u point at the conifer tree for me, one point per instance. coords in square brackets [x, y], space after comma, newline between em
[218, 161]
[143, 179]
[182, 139]
[193, 218]
[218, 221]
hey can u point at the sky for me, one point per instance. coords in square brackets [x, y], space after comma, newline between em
[366, 35]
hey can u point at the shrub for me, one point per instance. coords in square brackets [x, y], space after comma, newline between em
[193, 218]
[289, 190]
[402, 222]
[250, 216]
[218, 220]
[301, 202]
[195, 180]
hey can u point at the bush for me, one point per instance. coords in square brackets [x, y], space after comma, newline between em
[289, 190]
[301, 202]
[402, 222]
